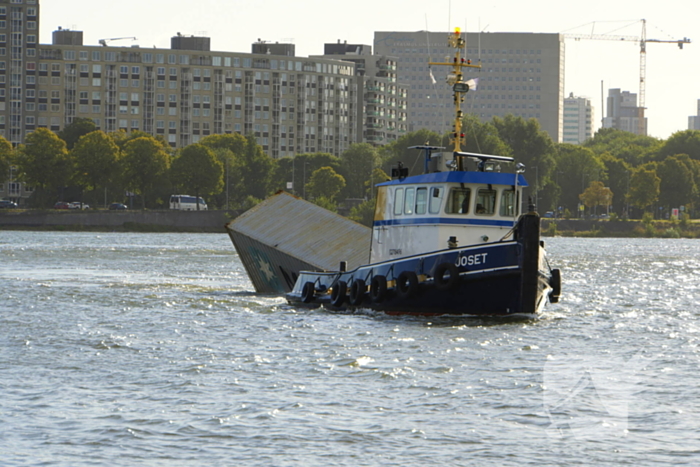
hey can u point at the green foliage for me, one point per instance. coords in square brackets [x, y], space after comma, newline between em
[483, 137]
[234, 142]
[6, 155]
[576, 166]
[326, 203]
[43, 161]
[96, 159]
[363, 213]
[256, 170]
[618, 179]
[681, 142]
[596, 195]
[398, 151]
[632, 149]
[677, 182]
[644, 188]
[357, 166]
[197, 170]
[145, 160]
[325, 182]
[72, 132]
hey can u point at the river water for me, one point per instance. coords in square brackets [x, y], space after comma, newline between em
[152, 350]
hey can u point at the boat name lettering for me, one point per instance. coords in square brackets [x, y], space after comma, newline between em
[394, 251]
[471, 260]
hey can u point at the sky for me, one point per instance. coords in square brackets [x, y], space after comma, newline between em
[672, 75]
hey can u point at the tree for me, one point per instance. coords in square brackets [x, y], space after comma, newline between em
[197, 170]
[72, 132]
[677, 187]
[96, 158]
[482, 137]
[6, 153]
[681, 142]
[529, 144]
[575, 165]
[618, 175]
[234, 142]
[325, 182]
[644, 187]
[398, 151]
[633, 149]
[357, 165]
[144, 161]
[256, 171]
[43, 161]
[596, 195]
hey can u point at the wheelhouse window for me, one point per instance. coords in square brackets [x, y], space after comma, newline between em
[398, 201]
[409, 201]
[509, 203]
[458, 202]
[435, 199]
[421, 200]
[485, 202]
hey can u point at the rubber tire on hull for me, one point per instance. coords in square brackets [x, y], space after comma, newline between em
[308, 292]
[358, 289]
[377, 289]
[555, 283]
[339, 293]
[407, 285]
[443, 281]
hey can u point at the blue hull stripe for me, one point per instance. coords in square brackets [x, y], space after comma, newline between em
[443, 220]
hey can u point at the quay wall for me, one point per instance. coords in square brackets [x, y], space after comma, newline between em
[186, 221]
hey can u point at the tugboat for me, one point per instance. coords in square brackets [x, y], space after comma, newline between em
[450, 241]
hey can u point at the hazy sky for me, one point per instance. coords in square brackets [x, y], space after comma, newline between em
[672, 88]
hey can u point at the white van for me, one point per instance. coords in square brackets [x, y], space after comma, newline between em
[186, 203]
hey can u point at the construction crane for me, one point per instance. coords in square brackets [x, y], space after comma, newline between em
[642, 40]
[103, 42]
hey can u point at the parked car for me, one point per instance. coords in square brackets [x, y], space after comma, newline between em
[7, 204]
[77, 205]
[117, 207]
[61, 205]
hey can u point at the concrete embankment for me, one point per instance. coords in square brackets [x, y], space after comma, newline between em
[141, 221]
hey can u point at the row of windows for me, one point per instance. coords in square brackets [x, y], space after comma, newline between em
[216, 61]
[421, 200]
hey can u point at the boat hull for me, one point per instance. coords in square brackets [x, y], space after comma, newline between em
[496, 279]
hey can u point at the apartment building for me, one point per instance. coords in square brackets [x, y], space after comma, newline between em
[694, 120]
[381, 101]
[521, 74]
[578, 119]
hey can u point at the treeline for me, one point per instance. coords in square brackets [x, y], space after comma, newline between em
[615, 171]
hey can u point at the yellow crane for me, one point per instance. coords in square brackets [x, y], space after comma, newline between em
[642, 40]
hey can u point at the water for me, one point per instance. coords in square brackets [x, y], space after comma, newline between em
[152, 349]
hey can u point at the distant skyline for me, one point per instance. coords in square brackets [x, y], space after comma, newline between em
[672, 74]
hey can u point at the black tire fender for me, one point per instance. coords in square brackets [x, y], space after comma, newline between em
[444, 281]
[377, 289]
[339, 293]
[407, 284]
[358, 289]
[555, 283]
[308, 292]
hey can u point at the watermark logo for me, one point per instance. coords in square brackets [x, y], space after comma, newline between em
[589, 396]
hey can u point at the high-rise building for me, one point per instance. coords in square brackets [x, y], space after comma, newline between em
[291, 104]
[624, 114]
[521, 74]
[19, 39]
[694, 120]
[381, 101]
[578, 119]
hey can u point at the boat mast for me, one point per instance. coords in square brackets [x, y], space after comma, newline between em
[459, 87]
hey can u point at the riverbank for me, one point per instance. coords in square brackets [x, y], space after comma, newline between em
[619, 228]
[117, 221]
[214, 221]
